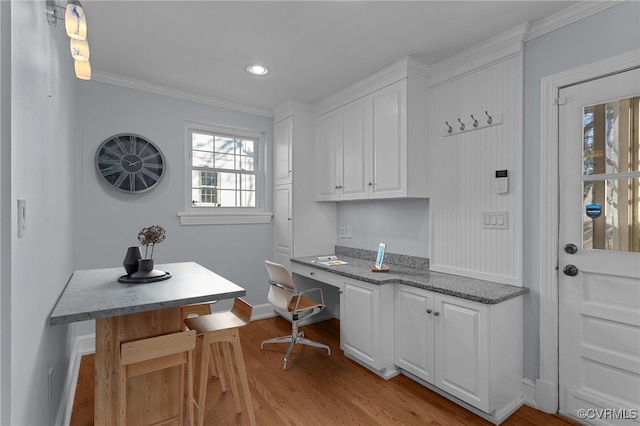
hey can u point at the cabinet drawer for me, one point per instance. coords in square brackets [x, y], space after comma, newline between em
[316, 274]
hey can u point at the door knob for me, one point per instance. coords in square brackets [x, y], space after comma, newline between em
[570, 270]
[570, 248]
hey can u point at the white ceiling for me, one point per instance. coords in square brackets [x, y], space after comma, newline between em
[313, 48]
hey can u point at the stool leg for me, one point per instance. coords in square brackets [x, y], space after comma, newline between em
[242, 373]
[204, 369]
[232, 378]
[214, 353]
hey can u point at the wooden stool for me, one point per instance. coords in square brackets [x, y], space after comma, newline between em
[158, 353]
[223, 327]
[215, 365]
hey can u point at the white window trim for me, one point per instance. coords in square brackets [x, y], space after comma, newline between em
[225, 215]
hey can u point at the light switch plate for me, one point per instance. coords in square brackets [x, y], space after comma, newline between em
[495, 220]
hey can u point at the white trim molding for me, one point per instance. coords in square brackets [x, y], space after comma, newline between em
[187, 218]
[547, 383]
[171, 92]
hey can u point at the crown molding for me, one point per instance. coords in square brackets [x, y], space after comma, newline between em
[289, 109]
[401, 69]
[157, 89]
[568, 16]
[512, 42]
[482, 54]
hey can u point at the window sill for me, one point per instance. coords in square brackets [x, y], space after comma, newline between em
[223, 218]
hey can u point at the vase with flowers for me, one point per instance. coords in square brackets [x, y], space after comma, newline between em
[148, 237]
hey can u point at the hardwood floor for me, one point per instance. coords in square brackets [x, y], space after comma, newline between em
[317, 389]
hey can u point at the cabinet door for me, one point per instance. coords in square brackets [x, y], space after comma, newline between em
[282, 219]
[356, 133]
[359, 321]
[389, 141]
[462, 352]
[414, 331]
[327, 147]
[283, 142]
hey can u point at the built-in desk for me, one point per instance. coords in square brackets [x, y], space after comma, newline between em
[466, 288]
[130, 312]
[461, 337]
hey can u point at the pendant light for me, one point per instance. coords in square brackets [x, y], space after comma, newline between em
[79, 49]
[74, 20]
[83, 70]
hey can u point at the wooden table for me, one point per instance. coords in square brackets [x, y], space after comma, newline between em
[130, 312]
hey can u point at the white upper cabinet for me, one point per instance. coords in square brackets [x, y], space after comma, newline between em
[371, 139]
[283, 145]
[328, 162]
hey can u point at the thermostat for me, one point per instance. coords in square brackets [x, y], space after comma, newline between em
[502, 181]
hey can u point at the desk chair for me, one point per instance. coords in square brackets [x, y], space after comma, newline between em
[293, 305]
[158, 353]
[223, 327]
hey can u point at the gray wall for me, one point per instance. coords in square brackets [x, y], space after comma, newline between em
[109, 220]
[611, 32]
[44, 171]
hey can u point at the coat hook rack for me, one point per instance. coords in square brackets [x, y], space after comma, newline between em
[492, 119]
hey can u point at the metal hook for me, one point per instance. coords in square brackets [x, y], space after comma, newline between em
[490, 120]
[475, 122]
[449, 126]
[461, 125]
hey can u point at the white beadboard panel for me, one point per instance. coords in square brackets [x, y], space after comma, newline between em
[462, 168]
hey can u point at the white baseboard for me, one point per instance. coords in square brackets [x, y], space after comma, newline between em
[83, 345]
[262, 311]
[529, 392]
[546, 396]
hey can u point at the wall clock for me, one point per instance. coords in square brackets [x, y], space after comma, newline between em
[130, 163]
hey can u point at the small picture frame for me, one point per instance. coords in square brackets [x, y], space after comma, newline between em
[380, 256]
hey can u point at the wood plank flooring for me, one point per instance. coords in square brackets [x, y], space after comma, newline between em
[317, 389]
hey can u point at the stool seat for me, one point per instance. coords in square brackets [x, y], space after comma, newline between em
[223, 327]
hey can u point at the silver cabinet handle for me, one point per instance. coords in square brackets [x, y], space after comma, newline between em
[436, 313]
[429, 311]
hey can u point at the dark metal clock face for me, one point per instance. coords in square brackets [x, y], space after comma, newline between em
[130, 163]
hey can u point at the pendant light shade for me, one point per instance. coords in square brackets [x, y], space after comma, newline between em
[79, 49]
[83, 70]
[74, 20]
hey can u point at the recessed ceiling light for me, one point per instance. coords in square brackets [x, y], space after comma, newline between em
[257, 69]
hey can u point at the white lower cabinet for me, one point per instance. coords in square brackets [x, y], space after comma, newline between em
[470, 350]
[366, 325]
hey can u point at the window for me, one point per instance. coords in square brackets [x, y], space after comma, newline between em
[224, 176]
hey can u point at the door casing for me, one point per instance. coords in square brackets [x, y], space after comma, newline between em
[547, 382]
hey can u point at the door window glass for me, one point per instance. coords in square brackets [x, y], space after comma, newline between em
[611, 175]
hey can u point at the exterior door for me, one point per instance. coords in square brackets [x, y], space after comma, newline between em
[599, 250]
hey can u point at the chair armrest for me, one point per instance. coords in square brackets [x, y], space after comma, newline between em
[300, 293]
[275, 284]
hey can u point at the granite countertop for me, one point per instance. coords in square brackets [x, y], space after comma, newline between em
[96, 293]
[467, 288]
